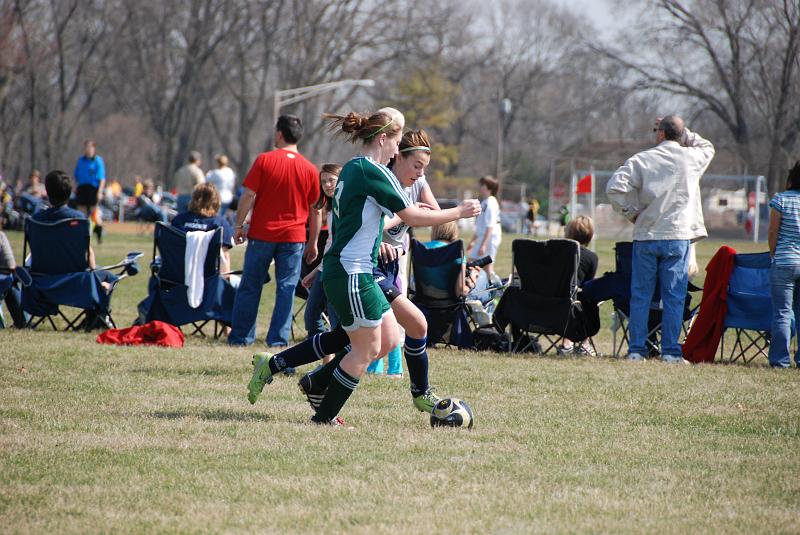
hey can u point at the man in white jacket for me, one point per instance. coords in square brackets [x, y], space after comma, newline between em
[659, 191]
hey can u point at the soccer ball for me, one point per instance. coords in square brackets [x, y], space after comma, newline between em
[452, 412]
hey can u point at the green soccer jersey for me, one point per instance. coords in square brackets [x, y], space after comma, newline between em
[365, 192]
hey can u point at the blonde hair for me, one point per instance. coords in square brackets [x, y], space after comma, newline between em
[222, 160]
[446, 232]
[205, 200]
[580, 229]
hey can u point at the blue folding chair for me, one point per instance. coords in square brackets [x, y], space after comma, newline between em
[436, 272]
[167, 298]
[60, 276]
[749, 312]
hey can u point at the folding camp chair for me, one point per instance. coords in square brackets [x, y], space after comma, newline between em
[436, 273]
[59, 273]
[749, 312]
[543, 306]
[168, 299]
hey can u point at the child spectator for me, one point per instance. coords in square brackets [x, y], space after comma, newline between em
[488, 234]
[581, 229]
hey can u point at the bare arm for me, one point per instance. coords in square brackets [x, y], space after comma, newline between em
[415, 216]
[245, 204]
[314, 224]
[224, 260]
[772, 233]
[91, 260]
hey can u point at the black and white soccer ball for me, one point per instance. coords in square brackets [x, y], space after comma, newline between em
[452, 412]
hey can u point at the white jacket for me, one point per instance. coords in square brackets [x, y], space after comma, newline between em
[659, 190]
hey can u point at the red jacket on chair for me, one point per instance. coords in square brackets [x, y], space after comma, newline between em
[703, 339]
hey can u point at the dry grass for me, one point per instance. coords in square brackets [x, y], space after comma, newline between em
[99, 439]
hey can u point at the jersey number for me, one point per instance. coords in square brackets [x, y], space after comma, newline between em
[336, 196]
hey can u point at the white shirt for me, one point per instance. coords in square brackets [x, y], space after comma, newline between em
[224, 179]
[659, 188]
[396, 234]
[490, 215]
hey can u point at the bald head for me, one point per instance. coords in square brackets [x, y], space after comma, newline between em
[672, 126]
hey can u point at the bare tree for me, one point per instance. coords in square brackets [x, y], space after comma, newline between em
[169, 47]
[735, 58]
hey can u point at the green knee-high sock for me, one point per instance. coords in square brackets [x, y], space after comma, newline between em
[321, 378]
[339, 390]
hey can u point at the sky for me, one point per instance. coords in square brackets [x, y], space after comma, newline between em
[600, 11]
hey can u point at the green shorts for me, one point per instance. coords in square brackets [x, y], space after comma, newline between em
[357, 300]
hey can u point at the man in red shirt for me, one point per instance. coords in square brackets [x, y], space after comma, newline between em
[280, 187]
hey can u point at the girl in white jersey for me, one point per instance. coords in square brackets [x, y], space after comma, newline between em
[366, 191]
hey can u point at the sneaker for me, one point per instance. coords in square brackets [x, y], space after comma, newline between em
[426, 402]
[261, 376]
[673, 359]
[635, 357]
[336, 422]
[584, 349]
[313, 394]
[563, 350]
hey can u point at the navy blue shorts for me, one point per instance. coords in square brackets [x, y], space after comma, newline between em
[386, 277]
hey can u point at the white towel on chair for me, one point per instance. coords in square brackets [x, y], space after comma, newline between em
[194, 259]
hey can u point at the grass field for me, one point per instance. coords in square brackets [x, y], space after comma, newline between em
[116, 439]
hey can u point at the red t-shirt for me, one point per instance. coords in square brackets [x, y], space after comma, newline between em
[285, 184]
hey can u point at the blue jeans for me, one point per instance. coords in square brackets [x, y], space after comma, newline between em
[315, 306]
[14, 304]
[784, 285]
[667, 261]
[257, 259]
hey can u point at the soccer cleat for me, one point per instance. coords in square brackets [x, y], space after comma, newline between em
[336, 422]
[426, 402]
[261, 376]
[313, 394]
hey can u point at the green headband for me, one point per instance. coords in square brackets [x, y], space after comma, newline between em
[381, 129]
[420, 147]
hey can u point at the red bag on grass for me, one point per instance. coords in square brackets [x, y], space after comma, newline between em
[152, 333]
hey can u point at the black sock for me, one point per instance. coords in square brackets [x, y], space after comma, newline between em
[417, 362]
[339, 390]
[321, 377]
[310, 350]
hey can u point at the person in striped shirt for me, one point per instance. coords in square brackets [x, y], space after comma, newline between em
[784, 274]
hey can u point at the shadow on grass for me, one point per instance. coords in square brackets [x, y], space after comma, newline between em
[216, 415]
